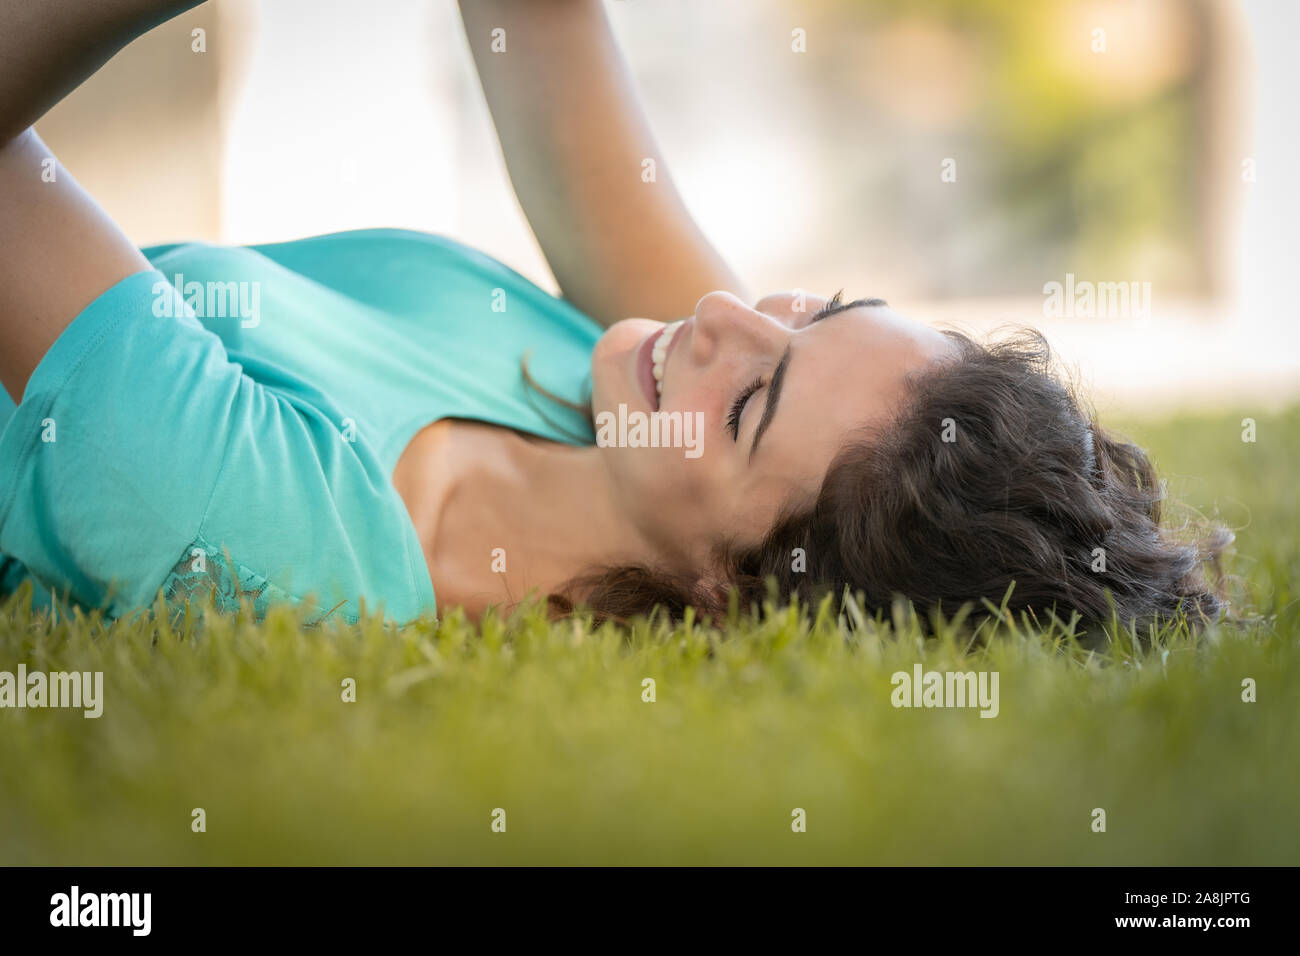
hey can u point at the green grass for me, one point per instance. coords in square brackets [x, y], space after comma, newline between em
[768, 714]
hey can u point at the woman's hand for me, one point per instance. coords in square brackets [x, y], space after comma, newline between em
[575, 140]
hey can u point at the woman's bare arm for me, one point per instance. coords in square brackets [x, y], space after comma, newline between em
[58, 251]
[48, 47]
[574, 138]
[58, 248]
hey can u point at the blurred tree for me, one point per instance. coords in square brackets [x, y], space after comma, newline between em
[1092, 136]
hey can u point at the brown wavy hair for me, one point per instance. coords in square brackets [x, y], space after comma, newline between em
[989, 478]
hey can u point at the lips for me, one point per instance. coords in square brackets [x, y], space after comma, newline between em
[659, 355]
[645, 369]
[652, 359]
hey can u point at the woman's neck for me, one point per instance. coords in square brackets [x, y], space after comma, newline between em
[499, 513]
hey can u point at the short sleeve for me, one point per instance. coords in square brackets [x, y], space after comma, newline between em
[140, 444]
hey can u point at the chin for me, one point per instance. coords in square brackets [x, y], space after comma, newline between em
[613, 365]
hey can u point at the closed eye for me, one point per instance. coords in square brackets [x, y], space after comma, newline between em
[835, 306]
[738, 407]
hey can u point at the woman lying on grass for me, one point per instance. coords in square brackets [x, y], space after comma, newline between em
[351, 417]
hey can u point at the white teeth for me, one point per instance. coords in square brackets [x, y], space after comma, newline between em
[660, 352]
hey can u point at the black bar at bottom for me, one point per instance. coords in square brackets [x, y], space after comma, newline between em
[334, 905]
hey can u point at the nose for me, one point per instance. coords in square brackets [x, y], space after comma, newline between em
[723, 321]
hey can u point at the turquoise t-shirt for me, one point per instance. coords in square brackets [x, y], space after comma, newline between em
[230, 419]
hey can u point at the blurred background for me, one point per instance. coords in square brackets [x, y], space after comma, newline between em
[951, 156]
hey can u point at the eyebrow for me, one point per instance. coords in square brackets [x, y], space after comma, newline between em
[778, 376]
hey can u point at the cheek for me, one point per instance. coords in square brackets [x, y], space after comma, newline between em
[676, 500]
[665, 479]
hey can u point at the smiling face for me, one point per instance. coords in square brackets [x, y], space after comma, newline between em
[780, 391]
